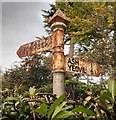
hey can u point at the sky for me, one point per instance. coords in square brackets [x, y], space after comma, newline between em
[21, 23]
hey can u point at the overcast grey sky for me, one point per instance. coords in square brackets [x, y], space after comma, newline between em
[21, 23]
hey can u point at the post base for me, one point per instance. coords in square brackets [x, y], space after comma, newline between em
[58, 83]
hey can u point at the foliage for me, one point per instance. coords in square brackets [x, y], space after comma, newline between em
[92, 26]
[30, 106]
[19, 104]
[56, 110]
[33, 71]
[112, 87]
[77, 90]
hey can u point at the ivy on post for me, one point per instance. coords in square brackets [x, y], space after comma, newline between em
[58, 24]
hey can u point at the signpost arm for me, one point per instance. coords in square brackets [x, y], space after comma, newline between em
[58, 25]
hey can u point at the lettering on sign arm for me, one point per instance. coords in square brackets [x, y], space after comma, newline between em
[41, 45]
[80, 66]
[74, 66]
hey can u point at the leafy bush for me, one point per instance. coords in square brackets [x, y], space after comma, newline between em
[19, 104]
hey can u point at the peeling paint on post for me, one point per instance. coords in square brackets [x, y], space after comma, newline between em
[58, 24]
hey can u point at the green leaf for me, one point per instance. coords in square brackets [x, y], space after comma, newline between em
[4, 118]
[12, 98]
[83, 110]
[7, 103]
[64, 114]
[53, 106]
[14, 114]
[32, 91]
[106, 96]
[58, 109]
[68, 82]
[67, 107]
[112, 86]
[24, 109]
[42, 109]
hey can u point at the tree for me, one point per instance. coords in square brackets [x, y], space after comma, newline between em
[33, 71]
[91, 30]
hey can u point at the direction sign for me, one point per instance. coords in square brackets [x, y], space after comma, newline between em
[40, 45]
[76, 65]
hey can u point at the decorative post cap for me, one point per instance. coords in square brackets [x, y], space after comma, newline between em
[58, 17]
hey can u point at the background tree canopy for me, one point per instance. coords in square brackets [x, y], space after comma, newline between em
[33, 71]
[91, 30]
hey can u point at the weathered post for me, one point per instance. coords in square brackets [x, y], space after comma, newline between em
[58, 24]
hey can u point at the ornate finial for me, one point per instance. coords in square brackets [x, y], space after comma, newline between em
[58, 17]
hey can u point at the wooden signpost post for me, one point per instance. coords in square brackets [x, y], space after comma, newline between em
[61, 64]
[58, 24]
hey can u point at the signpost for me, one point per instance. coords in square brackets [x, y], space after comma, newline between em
[80, 66]
[58, 24]
[41, 45]
[61, 64]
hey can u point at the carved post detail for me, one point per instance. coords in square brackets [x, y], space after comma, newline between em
[58, 24]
